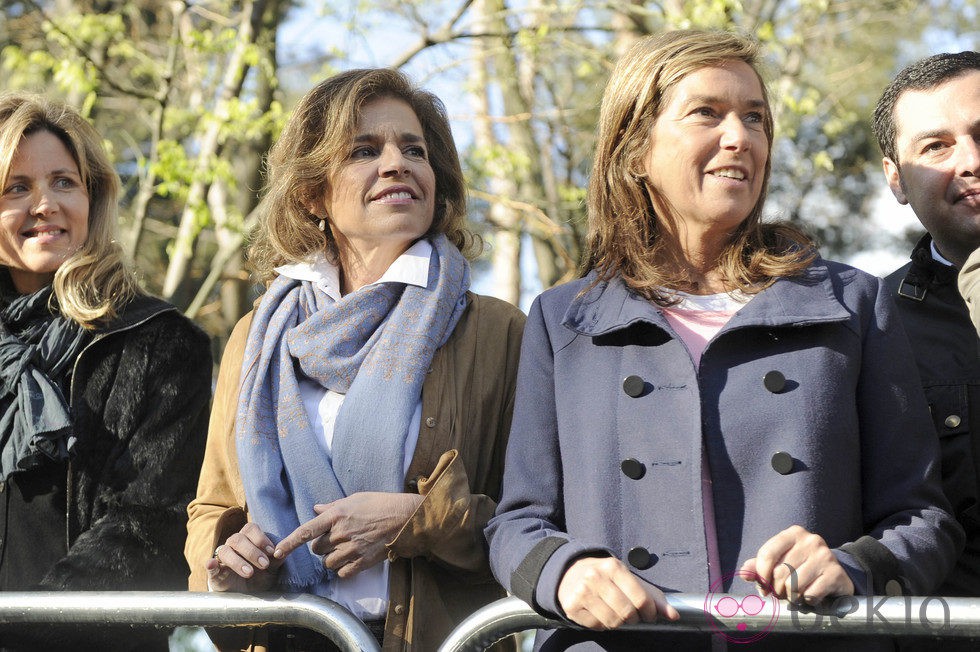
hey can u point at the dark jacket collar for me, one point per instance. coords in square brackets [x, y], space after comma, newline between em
[925, 273]
[807, 299]
[141, 308]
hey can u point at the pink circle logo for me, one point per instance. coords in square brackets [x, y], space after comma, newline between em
[719, 605]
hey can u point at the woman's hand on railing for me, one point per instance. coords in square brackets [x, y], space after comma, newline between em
[601, 593]
[799, 566]
[244, 562]
[352, 532]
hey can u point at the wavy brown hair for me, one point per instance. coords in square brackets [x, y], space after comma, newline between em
[314, 144]
[624, 229]
[94, 283]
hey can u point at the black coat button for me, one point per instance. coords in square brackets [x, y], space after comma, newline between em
[782, 463]
[633, 386]
[640, 558]
[633, 469]
[774, 381]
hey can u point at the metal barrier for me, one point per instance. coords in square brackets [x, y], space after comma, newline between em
[853, 615]
[896, 616]
[173, 608]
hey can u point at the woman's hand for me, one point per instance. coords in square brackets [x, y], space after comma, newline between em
[800, 553]
[244, 562]
[601, 593]
[352, 532]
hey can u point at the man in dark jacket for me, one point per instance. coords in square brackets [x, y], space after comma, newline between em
[927, 123]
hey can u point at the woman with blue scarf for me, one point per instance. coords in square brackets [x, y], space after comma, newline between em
[357, 436]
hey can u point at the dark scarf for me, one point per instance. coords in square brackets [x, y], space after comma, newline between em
[37, 350]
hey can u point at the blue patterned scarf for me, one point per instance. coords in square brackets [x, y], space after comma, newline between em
[375, 346]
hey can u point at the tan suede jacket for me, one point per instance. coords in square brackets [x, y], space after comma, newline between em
[439, 571]
[969, 286]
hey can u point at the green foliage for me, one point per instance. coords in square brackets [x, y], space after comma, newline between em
[247, 121]
[173, 169]
[573, 196]
[710, 14]
[823, 161]
[498, 160]
[829, 60]
[211, 42]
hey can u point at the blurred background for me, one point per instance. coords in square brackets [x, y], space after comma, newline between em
[189, 96]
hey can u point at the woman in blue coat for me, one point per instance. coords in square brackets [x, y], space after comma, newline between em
[712, 400]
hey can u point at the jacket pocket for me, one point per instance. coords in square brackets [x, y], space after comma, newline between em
[950, 407]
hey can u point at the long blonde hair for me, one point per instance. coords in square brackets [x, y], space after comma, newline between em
[623, 225]
[314, 144]
[94, 283]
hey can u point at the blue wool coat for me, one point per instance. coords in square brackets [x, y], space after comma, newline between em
[605, 449]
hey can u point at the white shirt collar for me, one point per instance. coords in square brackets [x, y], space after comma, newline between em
[722, 302]
[938, 256]
[411, 267]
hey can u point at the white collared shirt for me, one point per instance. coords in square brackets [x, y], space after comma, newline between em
[365, 594]
[938, 257]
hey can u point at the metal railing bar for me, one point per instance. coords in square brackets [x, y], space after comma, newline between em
[174, 608]
[858, 615]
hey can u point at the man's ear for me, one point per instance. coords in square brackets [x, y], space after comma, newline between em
[894, 178]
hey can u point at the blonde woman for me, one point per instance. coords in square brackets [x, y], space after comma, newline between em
[104, 390]
[712, 402]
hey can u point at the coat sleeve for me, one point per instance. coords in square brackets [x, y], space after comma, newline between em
[969, 285]
[911, 537]
[218, 509]
[449, 522]
[147, 443]
[529, 546]
[448, 525]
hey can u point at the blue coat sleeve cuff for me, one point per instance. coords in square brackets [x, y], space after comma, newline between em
[542, 570]
[854, 571]
[882, 572]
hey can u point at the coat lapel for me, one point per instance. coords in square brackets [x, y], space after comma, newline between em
[799, 301]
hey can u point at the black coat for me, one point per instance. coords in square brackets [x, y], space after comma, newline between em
[945, 346]
[140, 393]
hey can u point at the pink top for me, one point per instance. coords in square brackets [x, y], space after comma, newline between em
[697, 319]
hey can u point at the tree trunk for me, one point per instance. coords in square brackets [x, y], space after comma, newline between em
[209, 147]
[519, 109]
[503, 219]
